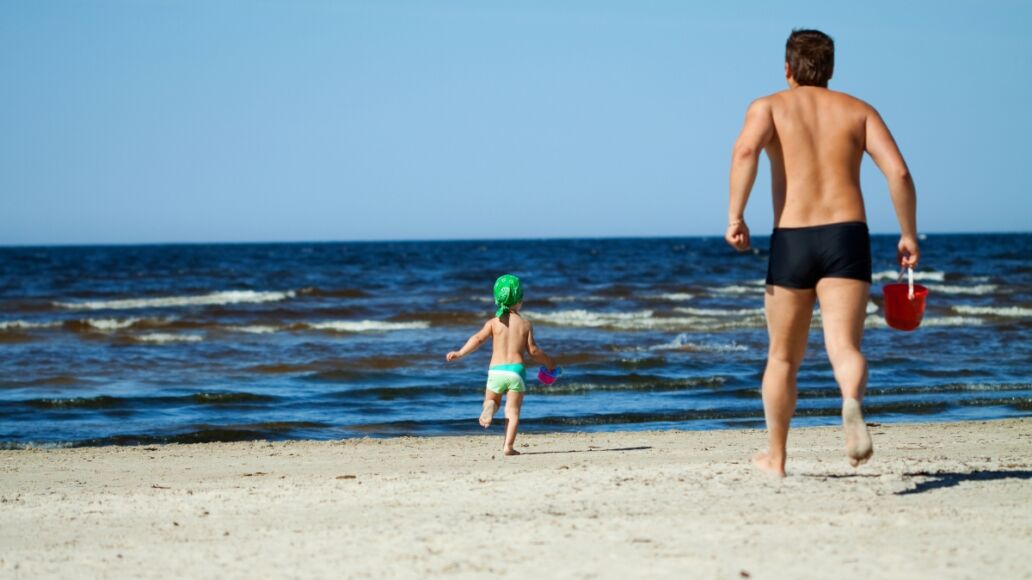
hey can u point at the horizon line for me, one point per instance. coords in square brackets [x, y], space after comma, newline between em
[438, 240]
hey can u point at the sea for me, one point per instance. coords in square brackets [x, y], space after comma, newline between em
[149, 344]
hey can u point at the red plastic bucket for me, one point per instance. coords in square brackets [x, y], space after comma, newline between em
[904, 303]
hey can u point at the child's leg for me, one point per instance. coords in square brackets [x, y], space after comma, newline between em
[513, 403]
[492, 401]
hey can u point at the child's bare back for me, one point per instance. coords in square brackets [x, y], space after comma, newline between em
[510, 337]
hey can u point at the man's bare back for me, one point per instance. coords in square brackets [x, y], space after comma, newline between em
[815, 153]
[815, 139]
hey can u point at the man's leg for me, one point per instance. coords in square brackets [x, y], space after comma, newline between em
[843, 310]
[513, 403]
[788, 323]
[492, 401]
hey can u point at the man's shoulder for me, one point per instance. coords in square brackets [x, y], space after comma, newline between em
[838, 100]
[850, 100]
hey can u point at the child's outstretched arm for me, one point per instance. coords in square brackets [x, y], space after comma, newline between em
[474, 342]
[536, 353]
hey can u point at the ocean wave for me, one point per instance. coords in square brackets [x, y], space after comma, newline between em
[588, 298]
[640, 320]
[977, 290]
[892, 275]
[334, 293]
[112, 402]
[721, 311]
[879, 322]
[255, 329]
[213, 299]
[110, 324]
[165, 337]
[684, 342]
[1001, 311]
[736, 290]
[592, 319]
[656, 384]
[27, 325]
[454, 299]
[671, 296]
[366, 325]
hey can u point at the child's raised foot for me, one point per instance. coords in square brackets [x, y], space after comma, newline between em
[487, 415]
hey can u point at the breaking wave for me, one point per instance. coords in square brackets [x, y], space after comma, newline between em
[641, 320]
[366, 325]
[27, 325]
[1001, 311]
[165, 337]
[893, 275]
[684, 342]
[213, 299]
[976, 290]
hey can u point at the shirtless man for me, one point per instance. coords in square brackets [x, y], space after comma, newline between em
[820, 249]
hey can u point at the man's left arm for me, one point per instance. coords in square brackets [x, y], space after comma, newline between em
[745, 159]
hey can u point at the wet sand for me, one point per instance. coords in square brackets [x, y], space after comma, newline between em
[950, 500]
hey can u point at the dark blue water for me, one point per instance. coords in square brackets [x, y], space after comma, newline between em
[232, 342]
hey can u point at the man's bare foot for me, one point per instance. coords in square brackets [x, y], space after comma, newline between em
[763, 462]
[510, 451]
[487, 415]
[858, 441]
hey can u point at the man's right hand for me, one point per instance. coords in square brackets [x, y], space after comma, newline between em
[737, 236]
[908, 252]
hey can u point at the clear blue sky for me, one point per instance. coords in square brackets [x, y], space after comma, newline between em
[166, 121]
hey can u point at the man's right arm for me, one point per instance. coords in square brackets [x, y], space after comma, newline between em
[756, 133]
[883, 150]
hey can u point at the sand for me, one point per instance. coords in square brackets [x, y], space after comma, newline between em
[947, 500]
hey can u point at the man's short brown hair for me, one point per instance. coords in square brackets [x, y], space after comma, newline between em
[810, 55]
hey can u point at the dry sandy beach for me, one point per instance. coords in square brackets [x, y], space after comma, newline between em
[937, 500]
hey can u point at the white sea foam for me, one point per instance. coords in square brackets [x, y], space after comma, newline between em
[891, 275]
[672, 297]
[1002, 311]
[737, 290]
[213, 299]
[976, 290]
[165, 337]
[879, 322]
[578, 298]
[26, 325]
[639, 320]
[111, 324]
[591, 319]
[453, 299]
[255, 329]
[721, 311]
[871, 307]
[683, 342]
[367, 325]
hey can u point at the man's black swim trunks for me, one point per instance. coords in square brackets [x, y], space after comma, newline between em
[799, 257]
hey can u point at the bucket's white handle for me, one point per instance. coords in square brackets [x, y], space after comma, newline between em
[910, 281]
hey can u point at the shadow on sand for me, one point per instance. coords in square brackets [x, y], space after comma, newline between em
[585, 450]
[944, 480]
[936, 480]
